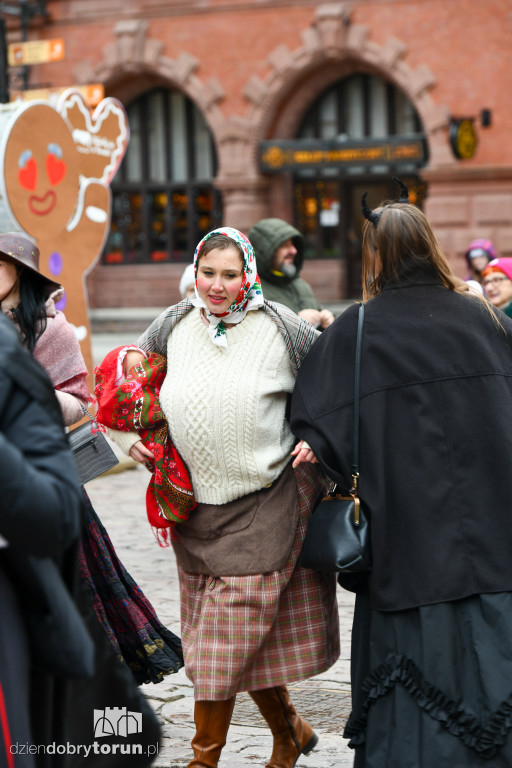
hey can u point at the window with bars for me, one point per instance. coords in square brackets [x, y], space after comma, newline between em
[163, 199]
[358, 107]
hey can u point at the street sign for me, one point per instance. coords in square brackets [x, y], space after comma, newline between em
[92, 93]
[35, 52]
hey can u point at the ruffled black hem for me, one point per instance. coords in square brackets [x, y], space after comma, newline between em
[486, 740]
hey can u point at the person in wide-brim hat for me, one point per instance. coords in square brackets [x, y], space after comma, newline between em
[20, 249]
[26, 295]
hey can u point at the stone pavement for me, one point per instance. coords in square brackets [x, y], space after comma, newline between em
[325, 700]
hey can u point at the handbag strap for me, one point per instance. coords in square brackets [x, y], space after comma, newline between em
[357, 379]
[85, 411]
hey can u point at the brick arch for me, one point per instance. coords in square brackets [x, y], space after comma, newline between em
[278, 103]
[133, 62]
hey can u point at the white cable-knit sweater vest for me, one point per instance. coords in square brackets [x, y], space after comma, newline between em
[226, 409]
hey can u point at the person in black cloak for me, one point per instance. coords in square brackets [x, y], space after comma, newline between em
[56, 664]
[432, 632]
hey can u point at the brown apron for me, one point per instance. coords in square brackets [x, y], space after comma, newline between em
[253, 534]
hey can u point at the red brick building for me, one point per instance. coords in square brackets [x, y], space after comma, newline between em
[241, 109]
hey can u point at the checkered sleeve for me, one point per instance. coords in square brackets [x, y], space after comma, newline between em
[298, 333]
[154, 339]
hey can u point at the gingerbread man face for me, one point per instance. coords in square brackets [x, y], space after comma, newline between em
[56, 164]
[41, 171]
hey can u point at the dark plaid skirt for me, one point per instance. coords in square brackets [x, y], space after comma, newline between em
[128, 618]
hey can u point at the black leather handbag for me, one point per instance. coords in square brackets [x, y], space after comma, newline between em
[92, 454]
[338, 534]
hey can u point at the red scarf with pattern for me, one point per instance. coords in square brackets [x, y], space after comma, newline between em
[131, 404]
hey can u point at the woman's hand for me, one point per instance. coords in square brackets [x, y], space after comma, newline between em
[311, 315]
[143, 455]
[70, 406]
[303, 453]
[132, 358]
[326, 318]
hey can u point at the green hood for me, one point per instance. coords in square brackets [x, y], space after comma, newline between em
[266, 236]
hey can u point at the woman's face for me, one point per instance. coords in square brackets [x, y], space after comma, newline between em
[8, 282]
[498, 288]
[479, 263]
[219, 278]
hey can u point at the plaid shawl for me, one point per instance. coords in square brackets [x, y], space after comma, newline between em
[132, 404]
[298, 334]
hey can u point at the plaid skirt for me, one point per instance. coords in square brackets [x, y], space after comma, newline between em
[244, 633]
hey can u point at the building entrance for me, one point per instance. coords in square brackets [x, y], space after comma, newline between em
[328, 213]
[358, 134]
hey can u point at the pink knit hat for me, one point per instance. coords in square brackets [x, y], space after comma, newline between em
[499, 265]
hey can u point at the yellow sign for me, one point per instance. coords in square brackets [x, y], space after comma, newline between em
[287, 155]
[93, 93]
[463, 138]
[35, 52]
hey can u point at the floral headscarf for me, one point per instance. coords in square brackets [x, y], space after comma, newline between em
[249, 297]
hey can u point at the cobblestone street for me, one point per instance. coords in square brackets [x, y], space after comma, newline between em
[324, 700]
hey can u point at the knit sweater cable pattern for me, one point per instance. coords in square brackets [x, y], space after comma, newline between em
[226, 410]
[297, 334]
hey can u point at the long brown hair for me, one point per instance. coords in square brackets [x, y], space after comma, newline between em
[402, 239]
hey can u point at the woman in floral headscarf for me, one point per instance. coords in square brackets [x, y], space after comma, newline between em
[252, 619]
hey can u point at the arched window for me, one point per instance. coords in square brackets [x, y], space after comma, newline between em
[360, 112]
[361, 107]
[163, 197]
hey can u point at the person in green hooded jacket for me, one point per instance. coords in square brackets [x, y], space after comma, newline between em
[279, 250]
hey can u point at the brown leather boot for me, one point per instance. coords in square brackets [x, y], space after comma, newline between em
[212, 719]
[293, 737]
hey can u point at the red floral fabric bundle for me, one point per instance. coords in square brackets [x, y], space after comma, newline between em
[131, 404]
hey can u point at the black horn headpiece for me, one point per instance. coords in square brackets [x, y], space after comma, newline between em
[367, 213]
[404, 192]
[375, 217]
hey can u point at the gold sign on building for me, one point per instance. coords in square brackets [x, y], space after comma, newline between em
[463, 138]
[277, 156]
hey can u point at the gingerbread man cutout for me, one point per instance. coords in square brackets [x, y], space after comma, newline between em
[55, 167]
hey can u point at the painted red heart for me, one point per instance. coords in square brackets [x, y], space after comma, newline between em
[55, 169]
[27, 176]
